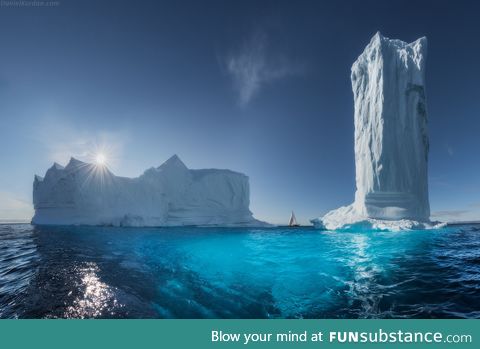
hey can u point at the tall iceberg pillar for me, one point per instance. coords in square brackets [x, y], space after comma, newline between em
[391, 139]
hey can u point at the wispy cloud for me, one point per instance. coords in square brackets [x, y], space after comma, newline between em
[450, 213]
[13, 208]
[470, 214]
[450, 150]
[254, 65]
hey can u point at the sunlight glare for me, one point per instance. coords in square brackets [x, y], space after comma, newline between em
[100, 159]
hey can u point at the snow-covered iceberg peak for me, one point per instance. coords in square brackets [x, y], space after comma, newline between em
[169, 195]
[391, 139]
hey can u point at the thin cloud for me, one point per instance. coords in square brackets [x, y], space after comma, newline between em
[457, 215]
[450, 213]
[14, 209]
[450, 150]
[254, 65]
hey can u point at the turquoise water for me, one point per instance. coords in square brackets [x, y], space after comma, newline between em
[238, 273]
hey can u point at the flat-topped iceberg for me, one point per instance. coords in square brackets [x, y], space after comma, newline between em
[169, 195]
[391, 139]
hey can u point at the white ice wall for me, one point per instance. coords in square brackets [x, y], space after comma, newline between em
[169, 195]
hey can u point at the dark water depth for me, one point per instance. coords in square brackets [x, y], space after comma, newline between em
[91, 272]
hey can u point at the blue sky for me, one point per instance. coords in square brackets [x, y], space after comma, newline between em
[261, 87]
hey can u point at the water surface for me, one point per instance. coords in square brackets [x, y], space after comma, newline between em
[92, 272]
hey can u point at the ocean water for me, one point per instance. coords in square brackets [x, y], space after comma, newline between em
[92, 272]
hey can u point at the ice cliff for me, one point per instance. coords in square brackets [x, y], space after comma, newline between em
[391, 139]
[169, 195]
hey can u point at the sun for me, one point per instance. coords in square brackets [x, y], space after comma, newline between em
[100, 159]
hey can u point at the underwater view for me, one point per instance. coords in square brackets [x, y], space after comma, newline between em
[107, 272]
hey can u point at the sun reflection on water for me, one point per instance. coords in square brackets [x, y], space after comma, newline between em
[364, 272]
[98, 298]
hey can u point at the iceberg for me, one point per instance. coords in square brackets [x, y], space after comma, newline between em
[169, 195]
[391, 140]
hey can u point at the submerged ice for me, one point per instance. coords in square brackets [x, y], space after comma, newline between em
[169, 195]
[391, 139]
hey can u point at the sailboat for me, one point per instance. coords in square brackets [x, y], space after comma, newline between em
[293, 221]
